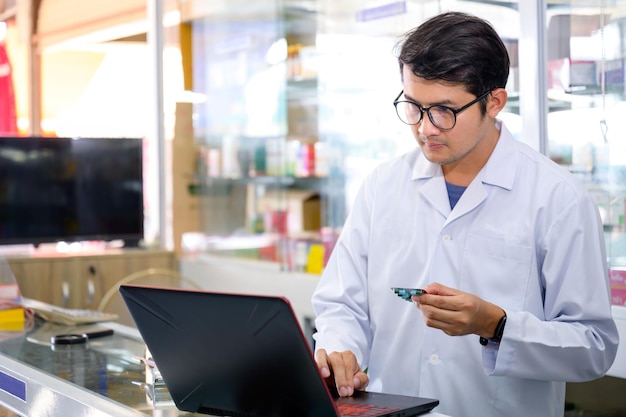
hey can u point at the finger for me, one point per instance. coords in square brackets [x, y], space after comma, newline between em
[439, 289]
[451, 302]
[322, 362]
[344, 367]
[452, 322]
[361, 380]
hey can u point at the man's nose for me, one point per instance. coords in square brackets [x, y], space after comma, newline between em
[426, 127]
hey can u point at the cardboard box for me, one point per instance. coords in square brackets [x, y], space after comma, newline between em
[303, 209]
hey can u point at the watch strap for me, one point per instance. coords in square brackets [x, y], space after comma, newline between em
[497, 336]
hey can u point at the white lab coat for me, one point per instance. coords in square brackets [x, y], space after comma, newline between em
[525, 235]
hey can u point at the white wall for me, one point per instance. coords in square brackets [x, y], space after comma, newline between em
[253, 277]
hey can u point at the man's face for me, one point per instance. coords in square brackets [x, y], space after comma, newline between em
[463, 144]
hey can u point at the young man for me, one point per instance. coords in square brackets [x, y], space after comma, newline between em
[508, 246]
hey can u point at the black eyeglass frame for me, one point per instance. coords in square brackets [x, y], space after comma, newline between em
[427, 109]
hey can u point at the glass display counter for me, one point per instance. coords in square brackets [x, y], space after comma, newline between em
[103, 377]
[107, 376]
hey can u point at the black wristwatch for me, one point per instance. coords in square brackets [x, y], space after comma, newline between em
[497, 336]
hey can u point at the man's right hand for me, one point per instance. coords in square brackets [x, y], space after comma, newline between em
[341, 369]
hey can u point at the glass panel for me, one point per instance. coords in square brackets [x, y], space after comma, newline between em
[260, 103]
[586, 125]
[359, 79]
[298, 110]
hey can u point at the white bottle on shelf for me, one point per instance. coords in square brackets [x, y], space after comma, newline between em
[230, 164]
[322, 159]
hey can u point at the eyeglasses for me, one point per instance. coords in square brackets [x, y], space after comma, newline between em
[444, 118]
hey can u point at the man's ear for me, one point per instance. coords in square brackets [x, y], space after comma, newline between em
[497, 101]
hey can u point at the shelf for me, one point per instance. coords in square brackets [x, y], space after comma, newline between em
[302, 87]
[210, 186]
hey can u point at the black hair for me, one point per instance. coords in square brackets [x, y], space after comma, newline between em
[456, 48]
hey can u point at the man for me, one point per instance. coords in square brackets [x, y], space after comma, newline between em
[508, 246]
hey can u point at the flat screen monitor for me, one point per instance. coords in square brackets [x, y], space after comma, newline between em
[66, 189]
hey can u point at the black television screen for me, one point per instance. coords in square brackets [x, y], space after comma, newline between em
[65, 189]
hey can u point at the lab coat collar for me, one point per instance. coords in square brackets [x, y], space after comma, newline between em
[502, 164]
[498, 171]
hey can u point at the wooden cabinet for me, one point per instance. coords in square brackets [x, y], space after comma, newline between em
[80, 280]
[46, 279]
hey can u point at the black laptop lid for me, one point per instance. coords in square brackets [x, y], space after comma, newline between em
[240, 355]
[226, 354]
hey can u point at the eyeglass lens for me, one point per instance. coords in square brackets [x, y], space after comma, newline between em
[441, 117]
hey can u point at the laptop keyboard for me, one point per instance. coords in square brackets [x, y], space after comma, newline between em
[363, 410]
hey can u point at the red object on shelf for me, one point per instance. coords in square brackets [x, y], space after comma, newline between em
[618, 286]
[8, 118]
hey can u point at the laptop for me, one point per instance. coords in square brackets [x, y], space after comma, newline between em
[243, 355]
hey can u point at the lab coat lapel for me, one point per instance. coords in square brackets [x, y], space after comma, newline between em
[437, 195]
[473, 196]
[433, 188]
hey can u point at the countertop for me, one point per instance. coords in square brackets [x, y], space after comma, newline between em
[103, 377]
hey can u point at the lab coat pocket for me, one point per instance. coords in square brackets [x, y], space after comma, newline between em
[496, 269]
